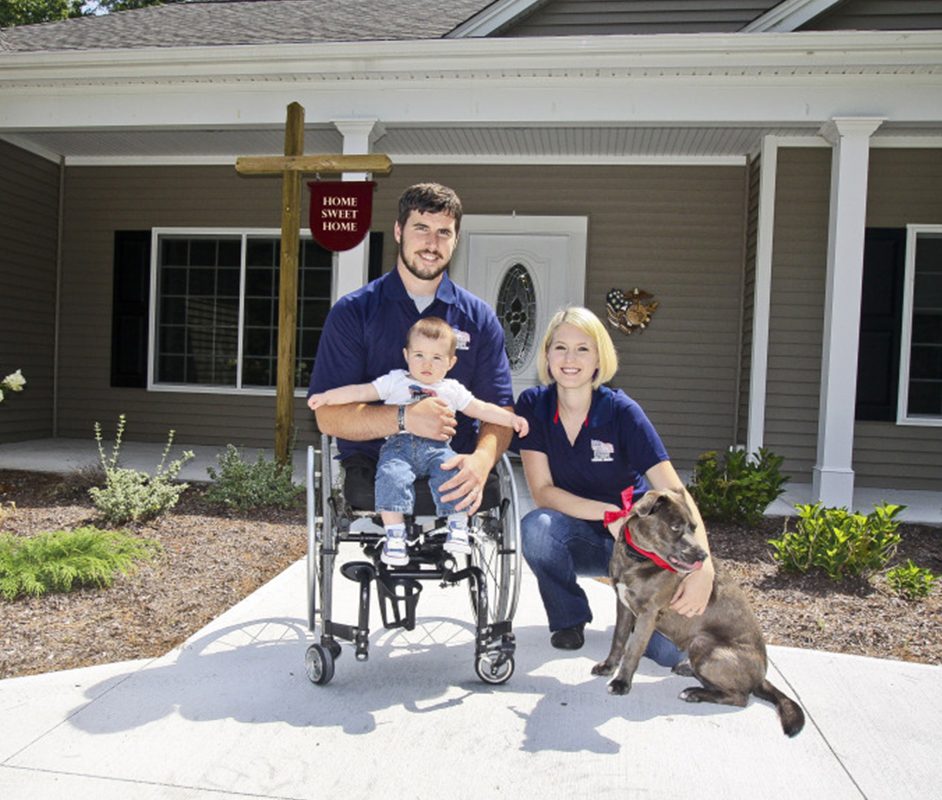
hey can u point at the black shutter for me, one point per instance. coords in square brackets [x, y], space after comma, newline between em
[881, 319]
[129, 311]
[374, 267]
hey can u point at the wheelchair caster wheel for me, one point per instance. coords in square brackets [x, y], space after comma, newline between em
[494, 674]
[335, 649]
[319, 663]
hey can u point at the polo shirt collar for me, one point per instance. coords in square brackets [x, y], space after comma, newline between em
[601, 412]
[446, 291]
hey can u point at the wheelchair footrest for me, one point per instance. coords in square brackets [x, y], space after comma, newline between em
[398, 597]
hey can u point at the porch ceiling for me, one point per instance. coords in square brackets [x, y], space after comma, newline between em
[417, 143]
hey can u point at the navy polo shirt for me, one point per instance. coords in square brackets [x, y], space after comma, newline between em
[366, 330]
[616, 445]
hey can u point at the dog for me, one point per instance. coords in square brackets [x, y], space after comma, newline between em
[725, 647]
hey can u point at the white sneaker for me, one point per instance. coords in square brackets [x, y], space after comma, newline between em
[394, 550]
[457, 540]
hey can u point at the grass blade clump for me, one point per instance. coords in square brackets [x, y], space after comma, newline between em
[60, 561]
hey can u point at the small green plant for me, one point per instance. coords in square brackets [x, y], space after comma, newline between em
[841, 543]
[911, 581]
[59, 561]
[130, 495]
[242, 486]
[740, 488]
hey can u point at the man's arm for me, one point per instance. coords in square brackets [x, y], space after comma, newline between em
[431, 418]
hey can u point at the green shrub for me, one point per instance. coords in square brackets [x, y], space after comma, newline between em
[738, 490]
[839, 542]
[130, 495]
[242, 486]
[910, 581]
[59, 561]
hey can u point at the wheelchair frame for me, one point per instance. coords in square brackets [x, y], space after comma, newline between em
[492, 570]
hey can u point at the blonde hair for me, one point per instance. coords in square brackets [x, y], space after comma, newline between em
[589, 324]
[434, 328]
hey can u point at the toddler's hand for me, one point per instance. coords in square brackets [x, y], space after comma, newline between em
[521, 426]
[317, 400]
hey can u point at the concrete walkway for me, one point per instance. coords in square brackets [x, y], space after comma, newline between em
[231, 714]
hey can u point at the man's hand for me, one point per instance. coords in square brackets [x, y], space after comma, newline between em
[431, 418]
[468, 482]
[693, 594]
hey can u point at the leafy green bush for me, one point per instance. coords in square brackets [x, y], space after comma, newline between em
[841, 543]
[242, 486]
[130, 495]
[740, 488]
[911, 581]
[59, 561]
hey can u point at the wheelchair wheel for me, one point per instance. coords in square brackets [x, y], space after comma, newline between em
[496, 552]
[319, 663]
[494, 674]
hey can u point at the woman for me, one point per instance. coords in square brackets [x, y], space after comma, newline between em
[586, 444]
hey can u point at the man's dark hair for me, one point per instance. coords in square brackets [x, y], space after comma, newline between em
[430, 198]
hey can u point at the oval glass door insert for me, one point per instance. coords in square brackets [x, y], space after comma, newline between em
[516, 310]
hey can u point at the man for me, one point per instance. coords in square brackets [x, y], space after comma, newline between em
[363, 336]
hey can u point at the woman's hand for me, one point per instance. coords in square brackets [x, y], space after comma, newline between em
[693, 594]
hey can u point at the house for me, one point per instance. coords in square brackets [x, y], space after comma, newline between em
[770, 172]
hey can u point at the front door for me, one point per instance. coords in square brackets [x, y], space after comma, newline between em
[526, 268]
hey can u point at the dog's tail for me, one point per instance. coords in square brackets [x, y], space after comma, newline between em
[789, 712]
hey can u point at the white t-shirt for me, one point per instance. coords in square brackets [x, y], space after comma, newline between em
[400, 388]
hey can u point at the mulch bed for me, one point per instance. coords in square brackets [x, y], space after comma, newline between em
[212, 558]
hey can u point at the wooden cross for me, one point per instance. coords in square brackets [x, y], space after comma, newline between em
[291, 166]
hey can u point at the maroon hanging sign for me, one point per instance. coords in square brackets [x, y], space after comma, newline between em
[340, 212]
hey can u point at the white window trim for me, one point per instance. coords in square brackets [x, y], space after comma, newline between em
[902, 417]
[185, 388]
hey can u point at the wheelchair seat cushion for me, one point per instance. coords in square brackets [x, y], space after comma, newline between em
[360, 476]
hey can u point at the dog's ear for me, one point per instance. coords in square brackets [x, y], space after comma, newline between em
[648, 504]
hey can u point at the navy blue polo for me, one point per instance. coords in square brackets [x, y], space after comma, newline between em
[366, 330]
[615, 447]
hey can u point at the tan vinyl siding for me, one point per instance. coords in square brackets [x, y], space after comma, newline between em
[799, 261]
[905, 187]
[585, 18]
[880, 15]
[675, 231]
[29, 197]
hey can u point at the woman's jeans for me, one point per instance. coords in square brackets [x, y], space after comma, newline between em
[403, 458]
[558, 548]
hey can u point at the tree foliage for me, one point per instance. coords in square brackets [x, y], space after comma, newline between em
[29, 12]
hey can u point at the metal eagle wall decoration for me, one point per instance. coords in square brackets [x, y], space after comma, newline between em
[630, 312]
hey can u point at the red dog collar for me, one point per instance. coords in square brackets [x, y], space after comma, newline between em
[611, 516]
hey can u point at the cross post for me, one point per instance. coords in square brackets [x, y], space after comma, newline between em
[292, 166]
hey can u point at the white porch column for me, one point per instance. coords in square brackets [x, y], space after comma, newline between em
[833, 477]
[350, 266]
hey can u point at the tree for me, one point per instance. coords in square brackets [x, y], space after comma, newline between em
[29, 12]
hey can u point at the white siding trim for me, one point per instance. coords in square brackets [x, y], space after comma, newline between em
[788, 16]
[495, 16]
[762, 302]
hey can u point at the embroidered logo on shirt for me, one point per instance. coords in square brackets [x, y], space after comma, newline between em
[602, 451]
[462, 339]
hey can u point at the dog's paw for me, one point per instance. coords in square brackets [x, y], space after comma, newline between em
[602, 668]
[691, 695]
[618, 686]
[683, 668]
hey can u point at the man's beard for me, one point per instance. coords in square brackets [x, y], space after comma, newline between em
[425, 275]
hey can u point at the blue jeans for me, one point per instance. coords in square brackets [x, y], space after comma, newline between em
[403, 458]
[559, 548]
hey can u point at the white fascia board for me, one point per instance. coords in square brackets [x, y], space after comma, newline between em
[811, 53]
[492, 18]
[789, 15]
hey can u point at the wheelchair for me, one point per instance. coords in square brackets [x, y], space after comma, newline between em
[339, 513]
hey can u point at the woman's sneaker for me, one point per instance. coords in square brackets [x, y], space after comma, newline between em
[394, 549]
[457, 540]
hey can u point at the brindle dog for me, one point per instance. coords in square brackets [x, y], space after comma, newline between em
[726, 651]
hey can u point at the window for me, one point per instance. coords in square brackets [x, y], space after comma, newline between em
[920, 386]
[214, 318]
